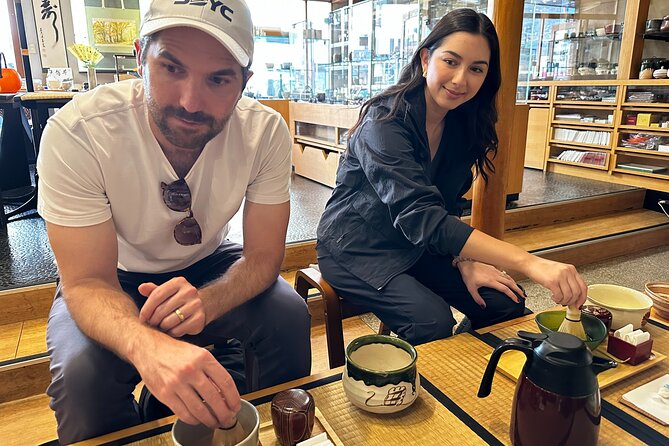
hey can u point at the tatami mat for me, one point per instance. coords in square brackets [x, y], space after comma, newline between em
[460, 380]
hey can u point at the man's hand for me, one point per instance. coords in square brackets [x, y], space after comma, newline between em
[477, 275]
[174, 307]
[190, 381]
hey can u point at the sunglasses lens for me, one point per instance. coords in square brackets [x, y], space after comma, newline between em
[176, 195]
[188, 232]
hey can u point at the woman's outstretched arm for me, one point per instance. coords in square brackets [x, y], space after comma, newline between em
[564, 282]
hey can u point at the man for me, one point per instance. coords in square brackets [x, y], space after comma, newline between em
[138, 181]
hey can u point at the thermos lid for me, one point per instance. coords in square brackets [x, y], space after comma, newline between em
[562, 364]
[564, 350]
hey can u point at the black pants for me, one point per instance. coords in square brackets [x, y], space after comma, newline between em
[417, 303]
[91, 387]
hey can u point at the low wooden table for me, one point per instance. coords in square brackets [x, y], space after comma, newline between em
[447, 412]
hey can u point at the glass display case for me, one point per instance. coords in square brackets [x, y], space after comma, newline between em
[571, 40]
[433, 10]
[344, 51]
[366, 50]
[656, 42]
[370, 42]
[291, 40]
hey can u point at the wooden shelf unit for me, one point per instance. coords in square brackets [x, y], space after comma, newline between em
[317, 157]
[616, 154]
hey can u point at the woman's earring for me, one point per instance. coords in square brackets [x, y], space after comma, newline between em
[424, 72]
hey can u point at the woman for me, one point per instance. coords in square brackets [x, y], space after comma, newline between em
[390, 238]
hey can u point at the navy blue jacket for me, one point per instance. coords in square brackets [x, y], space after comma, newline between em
[391, 202]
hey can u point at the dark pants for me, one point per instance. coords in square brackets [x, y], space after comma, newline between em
[91, 388]
[417, 303]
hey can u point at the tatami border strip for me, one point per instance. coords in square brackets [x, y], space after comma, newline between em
[462, 414]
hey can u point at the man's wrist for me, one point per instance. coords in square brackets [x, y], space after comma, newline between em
[211, 301]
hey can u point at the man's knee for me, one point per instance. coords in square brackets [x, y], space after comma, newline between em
[286, 311]
[91, 374]
[92, 396]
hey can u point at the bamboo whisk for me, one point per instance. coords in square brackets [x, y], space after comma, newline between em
[572, 323]
[230, 436]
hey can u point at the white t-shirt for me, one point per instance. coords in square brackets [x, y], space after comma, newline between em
[99, 160]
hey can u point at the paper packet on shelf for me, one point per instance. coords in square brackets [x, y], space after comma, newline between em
[629, 345]
[628, 334]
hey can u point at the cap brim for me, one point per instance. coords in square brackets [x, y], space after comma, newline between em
[156, 25]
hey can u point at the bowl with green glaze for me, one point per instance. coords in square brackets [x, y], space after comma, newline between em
[380, 375]
[595, 330]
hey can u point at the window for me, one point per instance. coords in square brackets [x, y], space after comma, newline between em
[6, 45]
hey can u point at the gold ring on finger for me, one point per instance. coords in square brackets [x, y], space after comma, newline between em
[180, 315]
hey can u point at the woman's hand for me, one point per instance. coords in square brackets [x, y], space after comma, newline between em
[477, 275]
[562, 280]
[174, 307]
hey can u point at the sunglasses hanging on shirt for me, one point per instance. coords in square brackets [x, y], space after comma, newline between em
[177, 197]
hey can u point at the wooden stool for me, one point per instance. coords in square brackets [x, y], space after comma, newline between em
[335, 310]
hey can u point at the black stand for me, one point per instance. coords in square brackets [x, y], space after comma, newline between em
[12, 130]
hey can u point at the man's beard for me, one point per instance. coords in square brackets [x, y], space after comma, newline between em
[180, 137]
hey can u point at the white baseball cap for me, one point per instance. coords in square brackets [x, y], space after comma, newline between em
[229, 21]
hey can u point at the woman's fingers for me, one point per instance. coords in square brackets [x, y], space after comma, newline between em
[578, 291]
[477, 298]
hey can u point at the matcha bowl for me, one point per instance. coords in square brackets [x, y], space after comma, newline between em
[595, 330]
[380, 375]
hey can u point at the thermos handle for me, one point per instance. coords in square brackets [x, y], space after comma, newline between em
[508, 344]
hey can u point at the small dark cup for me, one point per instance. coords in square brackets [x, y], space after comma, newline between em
[653, 25]
[664, 27]
[600, 313]
[293, 413]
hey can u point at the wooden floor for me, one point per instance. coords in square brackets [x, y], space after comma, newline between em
[589, 228]
[22, 339]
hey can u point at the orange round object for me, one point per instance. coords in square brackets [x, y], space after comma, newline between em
[10, 82]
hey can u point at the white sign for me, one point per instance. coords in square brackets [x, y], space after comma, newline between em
[50, 35]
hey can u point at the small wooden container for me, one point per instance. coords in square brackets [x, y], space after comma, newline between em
[631, 354]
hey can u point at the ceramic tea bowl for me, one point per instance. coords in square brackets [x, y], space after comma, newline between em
[659, 294]
[200, 435]
[628, 306]
[595, 330]
[380, 375]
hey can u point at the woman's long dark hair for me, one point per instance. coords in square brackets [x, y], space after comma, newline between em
[483, 111]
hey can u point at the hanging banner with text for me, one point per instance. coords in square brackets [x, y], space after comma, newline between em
[49, 24]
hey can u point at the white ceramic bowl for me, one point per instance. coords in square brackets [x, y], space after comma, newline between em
[380, 375]
[627, 306]
[200, 435]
